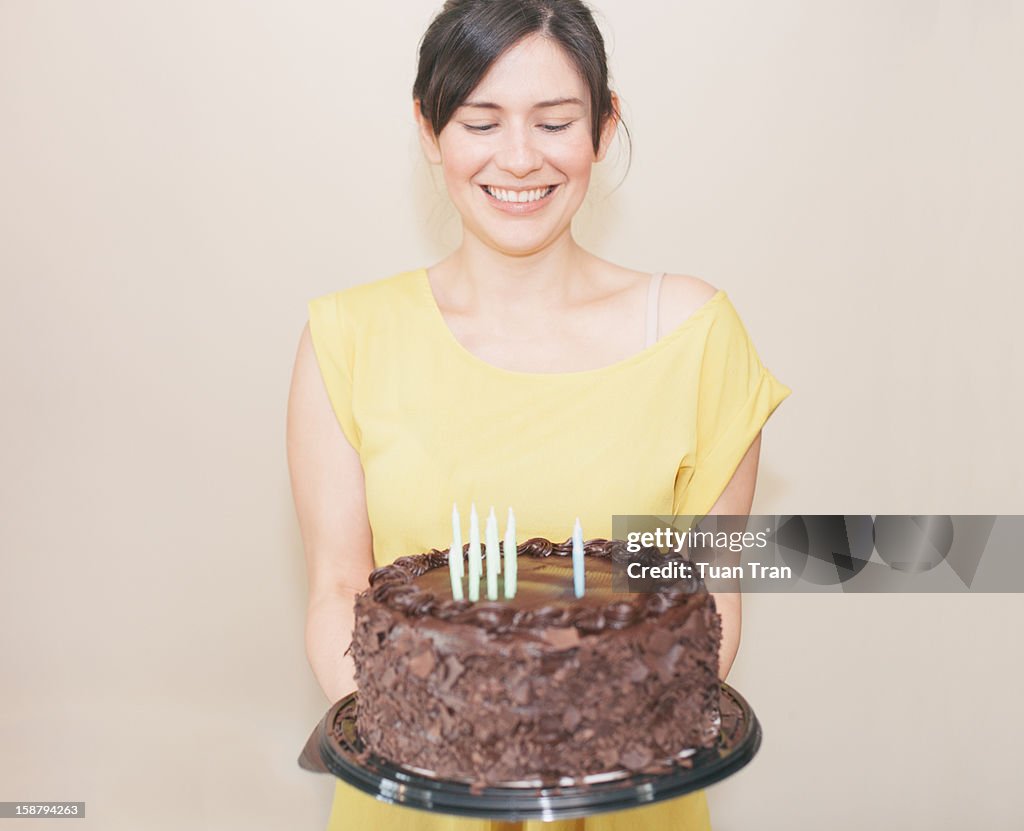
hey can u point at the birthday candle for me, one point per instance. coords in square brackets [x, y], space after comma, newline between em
[511, 561]
[577, 559]
[474, 555]
[493, 556]
[455, 556]
[456, 549]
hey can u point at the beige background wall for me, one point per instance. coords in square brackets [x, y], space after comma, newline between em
[178, 178]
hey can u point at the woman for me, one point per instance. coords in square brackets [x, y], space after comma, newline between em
[520, 370]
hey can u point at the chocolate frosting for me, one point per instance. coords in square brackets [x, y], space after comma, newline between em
[418, 586]
[540, 687]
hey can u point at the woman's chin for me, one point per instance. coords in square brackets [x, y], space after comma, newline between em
[523, 244]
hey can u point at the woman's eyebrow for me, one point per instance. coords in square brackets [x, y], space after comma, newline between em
[554, 102]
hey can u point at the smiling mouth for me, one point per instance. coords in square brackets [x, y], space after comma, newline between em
[518, 196]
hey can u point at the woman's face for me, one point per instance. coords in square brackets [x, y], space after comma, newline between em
[517, 155]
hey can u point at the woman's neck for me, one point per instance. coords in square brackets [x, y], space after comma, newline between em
[481, 282]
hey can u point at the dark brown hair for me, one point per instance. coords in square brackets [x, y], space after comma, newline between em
[468, 36]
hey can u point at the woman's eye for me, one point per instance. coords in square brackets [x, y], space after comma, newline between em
[547, 128]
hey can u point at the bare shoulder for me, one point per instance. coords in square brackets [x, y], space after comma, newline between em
[681, 296]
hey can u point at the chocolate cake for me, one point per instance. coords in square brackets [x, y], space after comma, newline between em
[544, 686]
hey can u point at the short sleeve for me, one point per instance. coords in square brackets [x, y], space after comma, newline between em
[736, 395]
[333, 342]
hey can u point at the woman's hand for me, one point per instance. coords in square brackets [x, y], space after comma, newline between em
[330, 500]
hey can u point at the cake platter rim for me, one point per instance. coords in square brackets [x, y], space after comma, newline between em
[390, 783]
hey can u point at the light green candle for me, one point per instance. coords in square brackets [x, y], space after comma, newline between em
[511, 560]
[474, 555]
[456, 547]
[455, 555]
[493, 556]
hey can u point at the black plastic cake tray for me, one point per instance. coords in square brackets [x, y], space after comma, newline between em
[334, 747]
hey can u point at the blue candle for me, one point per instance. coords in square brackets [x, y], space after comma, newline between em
[493, 556]
[474, 555]
[577, 559]
[511, 560]
[455, 555]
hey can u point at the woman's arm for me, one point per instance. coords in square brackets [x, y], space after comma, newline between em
[736, 499]
[681, 296]
[330, 500]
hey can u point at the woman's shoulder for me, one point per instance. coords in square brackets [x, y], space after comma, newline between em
[682, 297]
[362, 301]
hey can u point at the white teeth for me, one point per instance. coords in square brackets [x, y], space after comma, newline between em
[518, 196]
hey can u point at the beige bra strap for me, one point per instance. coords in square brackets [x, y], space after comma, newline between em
[653, 293]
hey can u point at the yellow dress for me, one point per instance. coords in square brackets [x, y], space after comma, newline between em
[658, 433]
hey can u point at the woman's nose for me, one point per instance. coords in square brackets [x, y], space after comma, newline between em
[519, 155]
